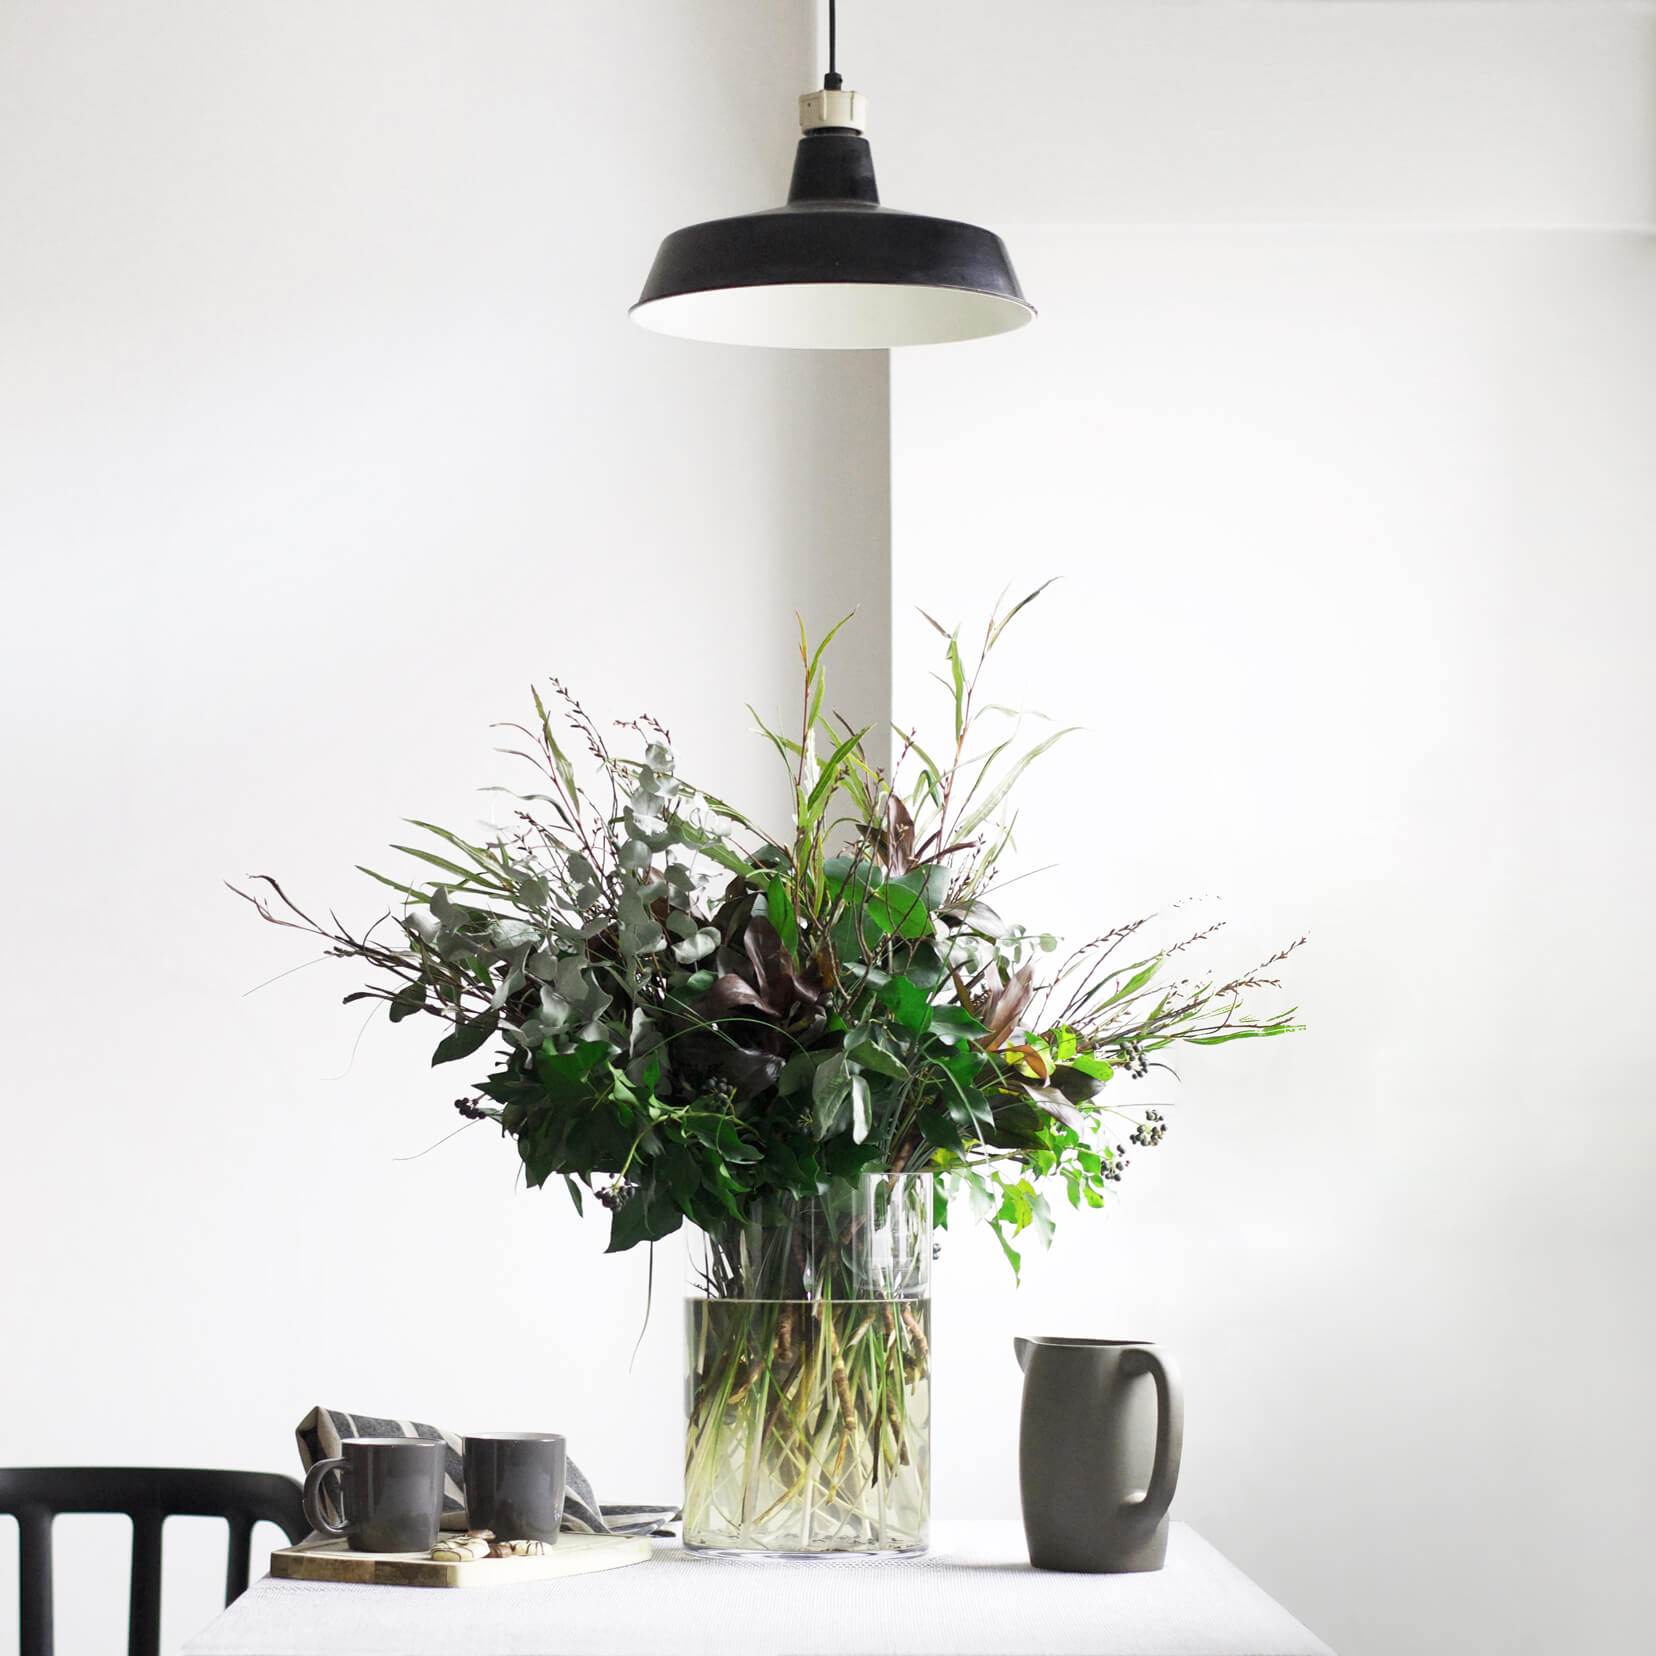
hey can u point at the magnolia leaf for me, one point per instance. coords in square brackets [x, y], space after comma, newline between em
[1054, 1103]
[1077, 1084]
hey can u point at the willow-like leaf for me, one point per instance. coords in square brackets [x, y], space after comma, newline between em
[967, 824]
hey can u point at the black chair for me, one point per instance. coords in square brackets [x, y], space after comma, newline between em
[35, 1495]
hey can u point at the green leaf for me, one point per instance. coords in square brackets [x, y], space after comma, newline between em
[407, 1001]
[907, 1004]
[831, 1096]
[466, 874]
[563, 1075]
[732, 1146]
[975, 819]
[1076, 1084]
[396, 885]
[490, 864]
[869, 1048]
[696, 947]
[779, 910]
[1244, 1034]
[981, 1197]
[829, 779]
[954, 1023]
[827, 639]
[798, 1073]
[628, 1226]
[903, 905]
[957, 675]
[1135, 983]
[859, 1107]
[466, 1039]
[1006, 620]
[1091, 1066]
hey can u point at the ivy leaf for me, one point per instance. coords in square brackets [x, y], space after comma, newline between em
[1055, 1104]
[563, 1075]
[628, 1225]
[466, 1039]
[732, 1146]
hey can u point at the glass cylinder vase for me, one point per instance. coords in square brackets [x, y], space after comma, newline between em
[808, 1375]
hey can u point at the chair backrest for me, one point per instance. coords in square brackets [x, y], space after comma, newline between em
[35, 1495]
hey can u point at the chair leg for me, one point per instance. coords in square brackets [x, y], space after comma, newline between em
[241, 1556]
[144, 1625]
[34, 1534]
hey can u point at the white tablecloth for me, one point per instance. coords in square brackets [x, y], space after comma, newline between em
[974, 1594]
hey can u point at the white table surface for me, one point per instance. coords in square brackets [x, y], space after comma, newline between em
[974, 1594]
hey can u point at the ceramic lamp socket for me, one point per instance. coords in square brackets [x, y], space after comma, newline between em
[833, 108]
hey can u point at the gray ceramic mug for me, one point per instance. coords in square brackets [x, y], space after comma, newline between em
[1098, 1452]
[390, 1497]
[515, 1484]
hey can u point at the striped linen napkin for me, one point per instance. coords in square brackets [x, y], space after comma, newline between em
[320, 1432]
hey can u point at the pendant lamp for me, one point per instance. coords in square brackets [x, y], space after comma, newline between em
[833, 269]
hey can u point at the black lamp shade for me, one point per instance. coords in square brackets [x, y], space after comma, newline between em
[833, 269]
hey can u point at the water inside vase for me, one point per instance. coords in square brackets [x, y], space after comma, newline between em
[808, 1425]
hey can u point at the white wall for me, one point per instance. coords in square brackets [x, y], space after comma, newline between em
[324, 433]
[1354, 525]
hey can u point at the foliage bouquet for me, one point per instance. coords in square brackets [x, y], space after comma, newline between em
[781, 1038]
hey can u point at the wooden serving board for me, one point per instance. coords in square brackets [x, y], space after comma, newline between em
[570, 1555]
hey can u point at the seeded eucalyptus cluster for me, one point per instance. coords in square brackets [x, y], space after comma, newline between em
[692, 1018]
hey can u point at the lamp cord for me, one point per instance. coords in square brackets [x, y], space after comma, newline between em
[832, 81]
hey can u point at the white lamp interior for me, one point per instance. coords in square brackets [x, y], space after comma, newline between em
[833, 316]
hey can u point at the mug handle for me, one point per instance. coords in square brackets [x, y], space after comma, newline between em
[315, 1510]
[1150, 1508]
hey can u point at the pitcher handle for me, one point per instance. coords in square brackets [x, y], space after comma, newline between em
[1150, 1508]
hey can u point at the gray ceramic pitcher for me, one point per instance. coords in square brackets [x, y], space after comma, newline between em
[1098, 1452]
